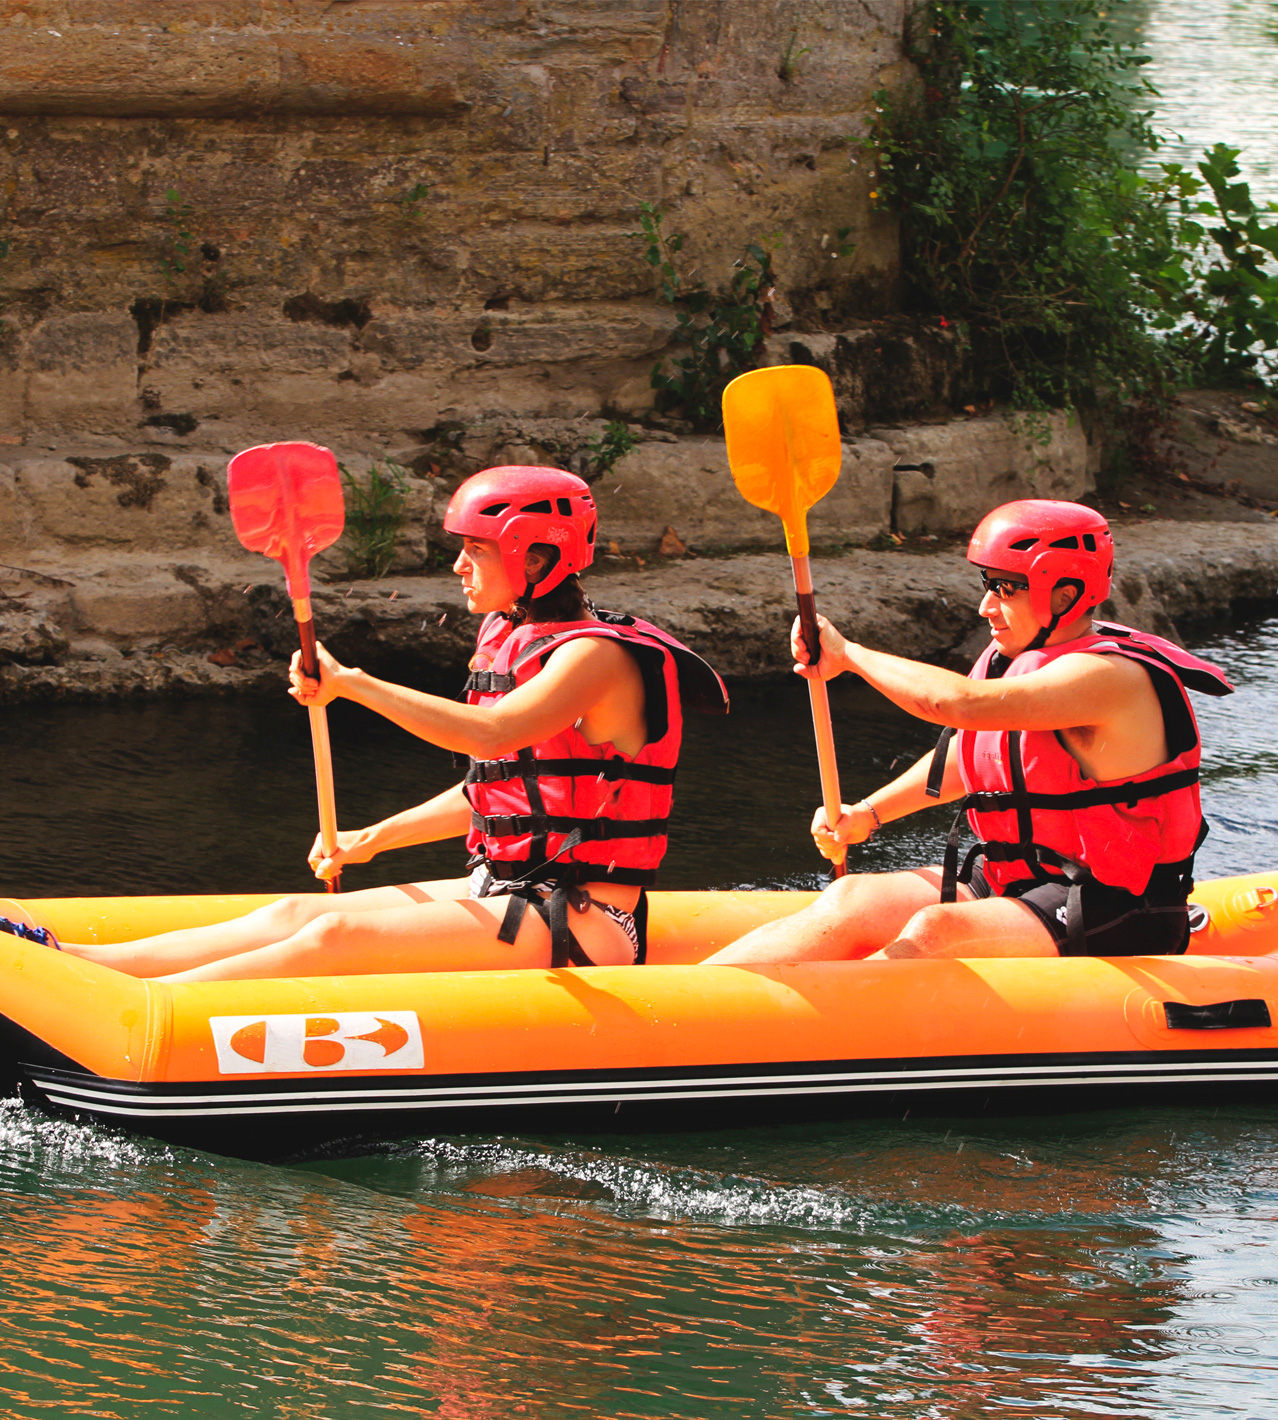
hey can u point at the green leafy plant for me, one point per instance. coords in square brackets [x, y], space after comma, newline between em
[376, 507]
[1221, 287]
[789, 67]
[610, 447]
[721, 333]
[179, 240]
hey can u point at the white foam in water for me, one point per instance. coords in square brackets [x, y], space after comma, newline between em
[679, 1193]
[29, 1135]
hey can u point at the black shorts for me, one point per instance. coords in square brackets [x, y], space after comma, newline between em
[1116, 923]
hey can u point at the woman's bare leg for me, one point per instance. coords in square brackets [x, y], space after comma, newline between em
[457, 935]
[853, 917]
[191, 947]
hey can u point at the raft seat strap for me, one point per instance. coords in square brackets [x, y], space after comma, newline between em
[565, 949]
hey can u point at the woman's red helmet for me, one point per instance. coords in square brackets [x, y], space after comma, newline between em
[1051, 544]
[518, 505]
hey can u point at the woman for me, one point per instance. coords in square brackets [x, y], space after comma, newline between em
[572, 724]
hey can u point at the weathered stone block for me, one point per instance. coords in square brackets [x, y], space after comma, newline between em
[146, 501]
[84, 373]
[687, 485]
[464, 157]
[948, 476]
[882, 372]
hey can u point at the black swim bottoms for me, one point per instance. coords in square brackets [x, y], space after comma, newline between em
[1116, 923]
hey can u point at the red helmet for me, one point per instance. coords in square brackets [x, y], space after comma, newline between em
[516, 506]
[1051, 544]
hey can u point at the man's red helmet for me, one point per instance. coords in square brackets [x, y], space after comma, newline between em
[518, 505]
[1050, 544]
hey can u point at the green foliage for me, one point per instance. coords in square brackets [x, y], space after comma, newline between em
[376, 507]
[721, 333]
[1023, 219]
[612, 445]
[179, 240]
[410, 202]
[1220, 287]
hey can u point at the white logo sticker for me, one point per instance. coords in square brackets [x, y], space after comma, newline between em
[347, 1040]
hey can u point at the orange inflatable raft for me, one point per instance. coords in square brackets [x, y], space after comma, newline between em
[247, 1065]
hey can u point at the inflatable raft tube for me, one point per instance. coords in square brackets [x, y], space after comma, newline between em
[253, 1066]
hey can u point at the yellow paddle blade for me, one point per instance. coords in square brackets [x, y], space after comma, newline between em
[782, 431]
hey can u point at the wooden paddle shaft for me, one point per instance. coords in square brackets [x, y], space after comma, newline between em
[319, 738]
[822, 725]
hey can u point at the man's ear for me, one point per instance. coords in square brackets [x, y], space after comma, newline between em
[1064, 597]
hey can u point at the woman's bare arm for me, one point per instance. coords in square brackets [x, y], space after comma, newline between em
[577, 676]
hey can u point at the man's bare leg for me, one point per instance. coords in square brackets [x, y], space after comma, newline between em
[992, 927]
[853, 917]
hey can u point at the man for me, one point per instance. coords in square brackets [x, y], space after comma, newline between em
[1076, 759]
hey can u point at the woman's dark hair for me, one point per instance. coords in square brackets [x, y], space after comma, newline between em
[566, 602]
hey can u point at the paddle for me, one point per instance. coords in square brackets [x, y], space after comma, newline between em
[286, 501]
[782, 431]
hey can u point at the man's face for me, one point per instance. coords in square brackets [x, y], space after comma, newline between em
[1006, 606]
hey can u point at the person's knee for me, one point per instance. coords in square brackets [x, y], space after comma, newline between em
[323, 931]
[283, 917]
[841, 894]
[929, 933]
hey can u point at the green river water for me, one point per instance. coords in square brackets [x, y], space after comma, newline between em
[1107, 1264]
[1116, 1263]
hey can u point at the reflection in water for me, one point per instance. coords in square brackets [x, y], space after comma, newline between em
[1080, 1267]
[1215, 65]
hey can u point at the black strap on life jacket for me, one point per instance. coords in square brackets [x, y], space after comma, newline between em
[1167, 881]
[936, 770]
[498, 771]
[588, 830]
[488, 683]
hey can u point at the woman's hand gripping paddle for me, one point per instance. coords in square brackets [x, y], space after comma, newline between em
[286, 501]
[782, 431]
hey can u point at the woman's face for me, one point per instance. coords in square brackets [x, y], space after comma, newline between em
[485, 584]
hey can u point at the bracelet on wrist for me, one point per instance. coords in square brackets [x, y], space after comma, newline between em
[878, 822]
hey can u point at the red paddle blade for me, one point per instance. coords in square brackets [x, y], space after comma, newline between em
[286, 501]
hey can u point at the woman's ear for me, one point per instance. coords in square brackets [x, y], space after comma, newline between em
[536, 565]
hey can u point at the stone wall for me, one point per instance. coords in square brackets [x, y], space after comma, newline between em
[390, 217]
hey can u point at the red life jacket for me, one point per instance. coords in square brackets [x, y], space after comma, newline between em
[1039, 816]
[581, 812]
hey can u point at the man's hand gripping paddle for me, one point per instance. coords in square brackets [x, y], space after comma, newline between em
[286, 501]
[782, 431]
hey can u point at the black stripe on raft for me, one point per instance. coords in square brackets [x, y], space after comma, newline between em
[122, 1099]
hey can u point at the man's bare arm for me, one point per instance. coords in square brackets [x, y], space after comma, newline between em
[1073, 690]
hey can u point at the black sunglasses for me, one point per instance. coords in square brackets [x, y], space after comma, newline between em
[1002, 587]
